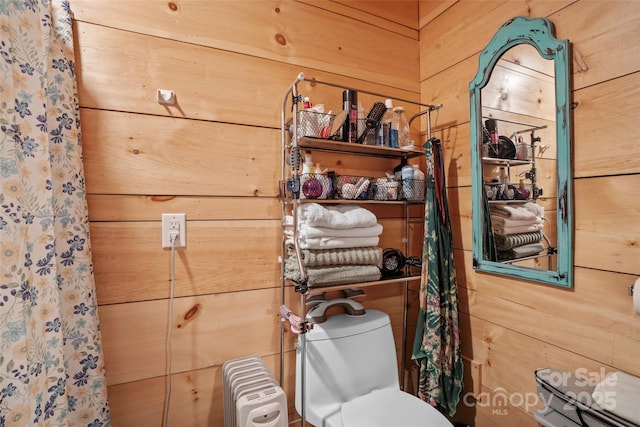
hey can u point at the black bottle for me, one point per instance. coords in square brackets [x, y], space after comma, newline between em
[350, 106]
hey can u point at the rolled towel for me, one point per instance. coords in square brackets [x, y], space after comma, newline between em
[335, 257]
[336, 242]
[325, 276]
[509, 241]
[336, 216]
[308, 231]
[521, 252]
[528, 210]
[619, 393]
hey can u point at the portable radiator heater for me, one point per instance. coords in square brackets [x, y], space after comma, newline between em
[252, 397]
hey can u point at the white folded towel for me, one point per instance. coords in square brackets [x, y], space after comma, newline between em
[310, 232]
[517, 229]
[507, 222]
[528, 210]
[336, 242]
[619, 393]
[336, 216]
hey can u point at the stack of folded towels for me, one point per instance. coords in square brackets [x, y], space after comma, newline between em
[517, 230]
[338, 245]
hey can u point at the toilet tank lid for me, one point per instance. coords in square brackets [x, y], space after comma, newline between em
[344, 325]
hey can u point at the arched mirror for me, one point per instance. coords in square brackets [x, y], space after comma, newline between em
[520, 155]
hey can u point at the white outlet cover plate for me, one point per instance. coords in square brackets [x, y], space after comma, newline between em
[181, 242]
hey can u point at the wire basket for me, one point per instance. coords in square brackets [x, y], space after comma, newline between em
[505, 192]
[524, 151]
[313, 124]
[315, 186]
[384, 189]
[352, 187]
[413, 189]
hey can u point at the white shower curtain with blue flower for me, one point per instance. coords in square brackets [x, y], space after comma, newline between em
[51, 363]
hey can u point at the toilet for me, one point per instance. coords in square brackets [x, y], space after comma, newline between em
[351, 376]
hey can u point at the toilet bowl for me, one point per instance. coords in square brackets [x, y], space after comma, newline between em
[351, 376]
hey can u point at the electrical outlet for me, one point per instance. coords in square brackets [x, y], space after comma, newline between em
[174, 222]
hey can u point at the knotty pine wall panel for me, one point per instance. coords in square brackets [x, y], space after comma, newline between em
[473, 24]
[603, 37]
[215, 260]
[511, 327]
[139, 403]
[215, 77]
[430, 9]
[490, 298]
[404, 13]
[285, 32]
[214, 155]
[451, 88]
[134, 343]
[114, 207]
[398, 17]
[210, 84]
[606, 222]
[606, 124]
[144, 154]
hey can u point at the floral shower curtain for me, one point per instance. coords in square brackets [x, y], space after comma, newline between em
[436, 347]
[51, 363]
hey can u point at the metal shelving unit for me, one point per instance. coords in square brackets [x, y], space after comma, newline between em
[291, 201]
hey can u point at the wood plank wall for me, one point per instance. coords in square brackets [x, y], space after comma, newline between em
[511, 327]
[215, 156]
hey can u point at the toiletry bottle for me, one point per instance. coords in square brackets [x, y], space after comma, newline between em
[307, 103]
[510, 192]
[397, 171]
[504, 175]
[308, 163]
[385, 124]
[522, 149]
[418, 183]
[407, 182]
[307, 168]
[350, 106]
[393, 131]
[353, 116]
[492, 128]
[522, 193]
[403, 127]
[360, 123]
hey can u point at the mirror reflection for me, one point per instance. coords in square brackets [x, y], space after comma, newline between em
[519, 159]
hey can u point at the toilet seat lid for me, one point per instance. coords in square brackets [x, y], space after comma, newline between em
[389, 407]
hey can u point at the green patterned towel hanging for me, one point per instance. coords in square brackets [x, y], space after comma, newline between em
[436, 347]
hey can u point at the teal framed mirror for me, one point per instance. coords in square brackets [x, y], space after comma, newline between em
[522, 213]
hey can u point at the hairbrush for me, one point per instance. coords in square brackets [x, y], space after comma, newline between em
[373, 120]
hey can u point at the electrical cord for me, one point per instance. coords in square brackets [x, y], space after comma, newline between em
[173, 235]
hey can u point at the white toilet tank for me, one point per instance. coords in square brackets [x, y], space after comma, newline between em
[347, 357]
